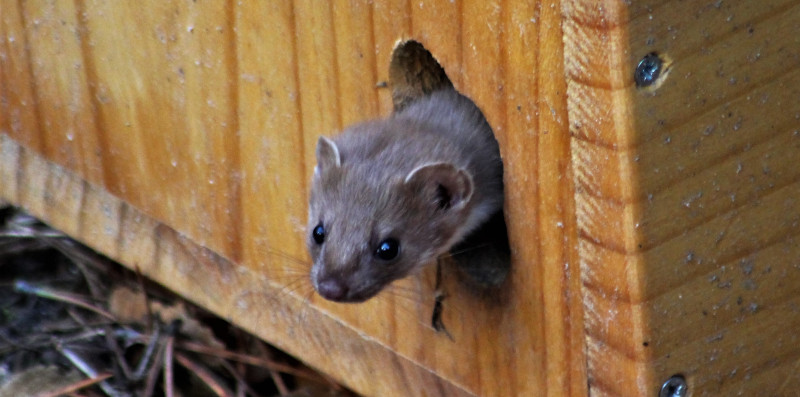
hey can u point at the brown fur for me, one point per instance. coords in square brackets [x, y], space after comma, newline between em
[387, 178]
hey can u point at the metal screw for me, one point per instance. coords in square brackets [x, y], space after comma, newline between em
[648, 70]
[674, 387]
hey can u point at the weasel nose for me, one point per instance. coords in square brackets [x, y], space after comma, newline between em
[332, 289]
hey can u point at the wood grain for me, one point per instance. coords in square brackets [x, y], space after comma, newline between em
[653, 230]
[179, 137]
[687, 194]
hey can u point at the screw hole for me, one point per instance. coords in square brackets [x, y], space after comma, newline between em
[649, 70]
[675, 386]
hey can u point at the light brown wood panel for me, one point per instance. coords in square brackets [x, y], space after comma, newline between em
[166, 118]
[687, 193]
[273, 173]
[199, 127]
[19, 115]
[745, 51]
[356, 61]
[60, 65]
[391, 21]
[653, 231]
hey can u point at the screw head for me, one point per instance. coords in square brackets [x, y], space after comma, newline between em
[648, 70]
[675, 386]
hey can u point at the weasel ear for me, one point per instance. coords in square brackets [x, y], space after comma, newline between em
[327, 156]
[448, 186]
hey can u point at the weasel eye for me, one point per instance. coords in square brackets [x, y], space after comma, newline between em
[318, 234]
[388, 249]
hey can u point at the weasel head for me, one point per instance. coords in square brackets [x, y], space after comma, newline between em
[368, 227]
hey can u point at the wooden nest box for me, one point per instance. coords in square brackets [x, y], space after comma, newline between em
[651, 172]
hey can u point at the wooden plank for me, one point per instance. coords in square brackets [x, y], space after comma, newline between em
[356, 61]
[165, 119]
[187, 131]
[273, 165]
[20, 105]
[536, 132]
[391, 22]
[686, 193]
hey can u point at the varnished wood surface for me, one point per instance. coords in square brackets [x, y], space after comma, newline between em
[654, 231]
[179, 137]
[688, 195]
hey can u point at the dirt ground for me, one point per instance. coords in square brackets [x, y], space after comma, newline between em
[75, 323]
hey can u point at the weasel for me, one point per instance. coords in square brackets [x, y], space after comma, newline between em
[389, 196]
